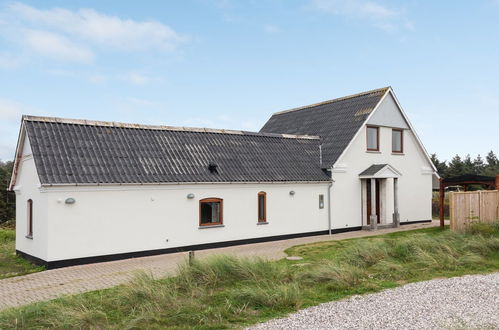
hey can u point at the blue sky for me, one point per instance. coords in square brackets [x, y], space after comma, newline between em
[231, 64]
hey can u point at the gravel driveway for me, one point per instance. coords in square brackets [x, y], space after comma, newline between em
[468, 302]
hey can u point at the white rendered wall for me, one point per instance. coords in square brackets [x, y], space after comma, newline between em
[119, 219]
[415, 184]
[388, 114]
[27, 187]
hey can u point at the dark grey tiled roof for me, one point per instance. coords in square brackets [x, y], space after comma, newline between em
[335, 121]
[373, 169]
[83, 152]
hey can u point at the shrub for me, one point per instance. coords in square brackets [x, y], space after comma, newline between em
[483, 228]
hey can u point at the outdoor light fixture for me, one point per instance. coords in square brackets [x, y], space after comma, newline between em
[70, 200]
[292, 192]
[190, 196]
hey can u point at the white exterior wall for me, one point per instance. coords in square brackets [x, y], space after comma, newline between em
[27, 187]
[119, 219]
[415, 184]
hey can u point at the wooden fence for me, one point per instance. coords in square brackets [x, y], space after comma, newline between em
[466, 207]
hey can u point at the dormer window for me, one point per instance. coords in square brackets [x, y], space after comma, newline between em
[372, 138]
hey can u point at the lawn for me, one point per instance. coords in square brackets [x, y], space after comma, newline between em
[228, 292]
[10, 264]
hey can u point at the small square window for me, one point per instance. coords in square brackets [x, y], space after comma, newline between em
[210, 211]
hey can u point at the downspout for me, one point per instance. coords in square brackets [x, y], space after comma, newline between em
[329, 205]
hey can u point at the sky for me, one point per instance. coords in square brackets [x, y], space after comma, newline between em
[231, 64]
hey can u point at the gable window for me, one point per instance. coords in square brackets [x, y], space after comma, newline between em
[210, 211]
[372, 138]
[29, 213]
[321, 201]
[262, 206]
[397, 141]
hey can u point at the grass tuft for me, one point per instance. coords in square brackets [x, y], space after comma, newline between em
[11, 264]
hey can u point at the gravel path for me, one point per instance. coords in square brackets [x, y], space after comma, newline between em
[468, 302]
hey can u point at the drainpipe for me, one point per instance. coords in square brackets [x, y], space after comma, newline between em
[329, 205]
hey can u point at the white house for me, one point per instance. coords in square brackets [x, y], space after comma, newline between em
[89, 191]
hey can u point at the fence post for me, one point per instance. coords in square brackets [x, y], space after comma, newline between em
[191, 257]
[451, 210]
[441, 202]
[480, 199]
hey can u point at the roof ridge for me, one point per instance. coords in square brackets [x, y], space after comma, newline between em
[334, 100]
[161, 127]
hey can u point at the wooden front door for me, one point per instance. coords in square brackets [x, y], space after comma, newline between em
[368, 187]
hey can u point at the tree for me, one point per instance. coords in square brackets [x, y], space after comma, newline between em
[468, 166]
[441, 166]
[7, 198]
[456, 166]
[492, 159]
[479, 165]
[492, 167]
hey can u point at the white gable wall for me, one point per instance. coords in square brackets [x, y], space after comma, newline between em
[388, 114]
[415, 184]
[27, 187]
[26, 147]
[110, 220]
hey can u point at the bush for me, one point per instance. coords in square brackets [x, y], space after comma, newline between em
[483, 228]
[9, 224]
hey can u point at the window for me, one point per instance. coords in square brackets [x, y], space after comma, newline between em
[372, 138]
[210, 211]
[321, 201]
[397, 140]
[30, 219]
[262, 206]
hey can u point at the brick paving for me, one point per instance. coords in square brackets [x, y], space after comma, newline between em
[50, 284]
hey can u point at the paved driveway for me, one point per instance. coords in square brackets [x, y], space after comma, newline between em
[50, 284]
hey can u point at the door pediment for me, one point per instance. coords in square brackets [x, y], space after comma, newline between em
[380, 171]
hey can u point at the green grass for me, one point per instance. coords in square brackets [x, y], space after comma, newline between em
[228, 292]
[10, 264]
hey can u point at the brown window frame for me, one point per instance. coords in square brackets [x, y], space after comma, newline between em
[377, 138]
[401, 151]
[29, 230]
[211, 200]
[264, 194]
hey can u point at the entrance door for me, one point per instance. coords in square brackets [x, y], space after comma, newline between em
[368, 187]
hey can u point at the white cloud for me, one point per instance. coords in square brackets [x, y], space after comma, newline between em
[9, 61]
[10, 120]
[10, 110]
[223, 122]
[271, 29]
[141, 102]
[355, 8]
[56, 46]
[136, 78]
[385, 18]
[101, 29]
[96, 77]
